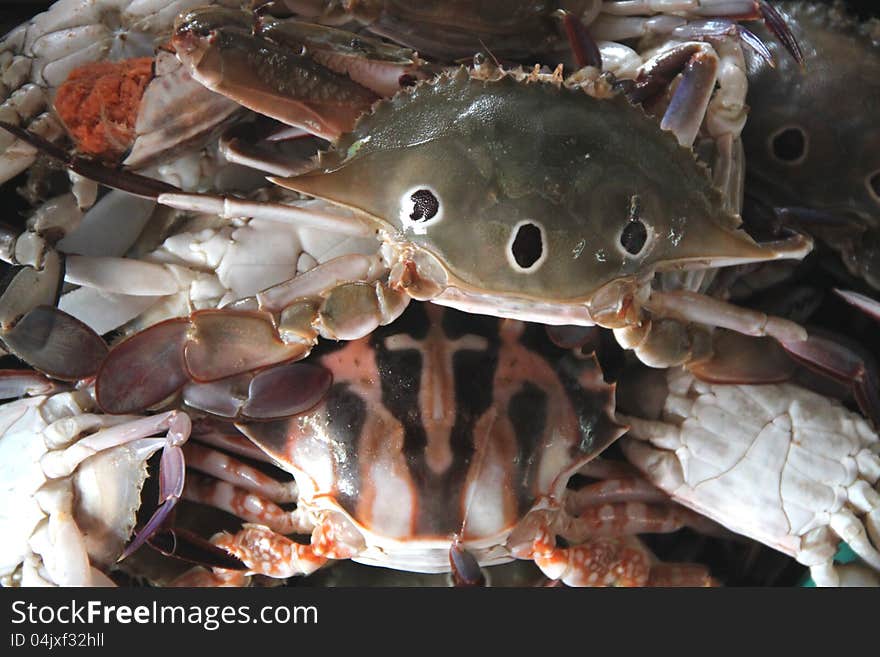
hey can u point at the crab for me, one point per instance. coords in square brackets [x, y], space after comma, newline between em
[607, 280]
[776, 462]
[473, 429]
[71, 482]
[73, 479]
[811, 140]
[576, 273]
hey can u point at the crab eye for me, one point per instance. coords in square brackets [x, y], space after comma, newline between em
[873, 184]
[425, 205]
[633, 237]
[420, 207]
[789, 145]
[525, 250]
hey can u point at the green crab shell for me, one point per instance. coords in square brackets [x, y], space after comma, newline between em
[500, 155]
[833, 101]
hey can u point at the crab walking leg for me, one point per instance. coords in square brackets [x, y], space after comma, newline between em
[693, 307]
[21, 154]
[21, 383]
[633, 489]
[229, 440]
[630, 518]
[342, 299]
[235, 472]
[338, 221]
[866, 304]
[121, 275]
[250, 507]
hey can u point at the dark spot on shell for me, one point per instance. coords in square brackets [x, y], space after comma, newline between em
[425, 205]
[790, 145]
[527, 245]
[874, 185]
[634, 236]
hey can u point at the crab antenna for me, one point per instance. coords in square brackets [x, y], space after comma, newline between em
[125, 181]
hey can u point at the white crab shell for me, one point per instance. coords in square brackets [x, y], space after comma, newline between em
[777, 463]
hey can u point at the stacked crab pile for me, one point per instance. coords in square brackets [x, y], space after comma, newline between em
[318, 285]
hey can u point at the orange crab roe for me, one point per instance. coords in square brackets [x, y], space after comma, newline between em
[99, 104]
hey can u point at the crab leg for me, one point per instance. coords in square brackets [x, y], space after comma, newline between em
[465, 568]
[342, 299]
[701, 309]
[338, 221]
[598, 561]
[701, 66]
[631, 518]
[864, 303]
[19, 383]
[843, 363]
[124, 180]
[268, 553]
[263, 551]
[586, 50]
[613, 491]
[691, 98]
[208, 346]
[235, 472]
[176, 424]
[229, 441]
[250, 507]
[625, 20]
[265, 77]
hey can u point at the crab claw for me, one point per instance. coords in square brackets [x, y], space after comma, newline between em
[269, 394]
[737, 358]
[172, 472]
[208, 346]
[219, 49]
[34, 330]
